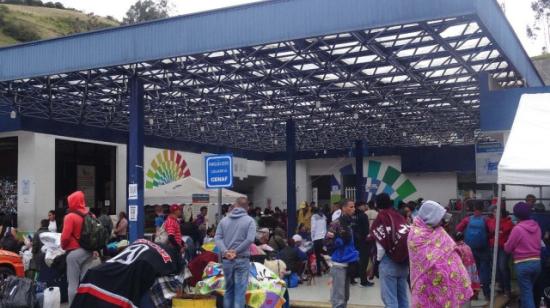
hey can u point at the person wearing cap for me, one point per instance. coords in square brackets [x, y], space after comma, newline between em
[438, 276]
[172, 226]
[506, 225]
[293, 256]
[524, 244]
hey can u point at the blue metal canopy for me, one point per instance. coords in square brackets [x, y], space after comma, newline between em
[392, 72]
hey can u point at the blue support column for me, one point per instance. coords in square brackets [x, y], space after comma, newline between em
[135, 159]
[291, 176]
[359, 177]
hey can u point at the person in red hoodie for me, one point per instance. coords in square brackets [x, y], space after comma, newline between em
[524, 244]
[78, 259]
[503, 259]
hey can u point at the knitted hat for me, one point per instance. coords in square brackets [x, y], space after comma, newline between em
[522, 210]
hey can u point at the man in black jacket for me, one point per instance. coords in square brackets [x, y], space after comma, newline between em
[360, 227]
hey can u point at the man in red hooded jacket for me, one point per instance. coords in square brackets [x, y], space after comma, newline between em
[78, 259]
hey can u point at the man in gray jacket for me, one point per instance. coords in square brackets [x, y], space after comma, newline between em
[234, 235]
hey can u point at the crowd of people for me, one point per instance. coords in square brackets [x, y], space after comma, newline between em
[411, 248]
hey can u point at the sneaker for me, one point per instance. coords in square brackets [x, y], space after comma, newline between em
[367, 284]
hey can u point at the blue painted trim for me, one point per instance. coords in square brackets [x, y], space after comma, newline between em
[259, 23]
[135, 157]
[7, 124]
[498, 108]
[291, 177]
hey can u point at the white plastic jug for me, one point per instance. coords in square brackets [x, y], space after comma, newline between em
[52, 298]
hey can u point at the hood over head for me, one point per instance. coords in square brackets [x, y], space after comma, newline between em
[431, 213]
[237, 213]
[77, 202]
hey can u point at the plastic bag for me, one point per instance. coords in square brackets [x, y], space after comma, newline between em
[17, 293]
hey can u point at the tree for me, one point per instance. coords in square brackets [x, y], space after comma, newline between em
[144, 10]
[541, 26]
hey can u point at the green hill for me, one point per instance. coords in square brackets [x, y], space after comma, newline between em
[21, 23]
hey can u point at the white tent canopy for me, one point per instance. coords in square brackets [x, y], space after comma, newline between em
[182, 191]
[526, 157]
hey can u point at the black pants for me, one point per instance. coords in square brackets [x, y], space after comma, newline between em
[363, 262]
[318, 248]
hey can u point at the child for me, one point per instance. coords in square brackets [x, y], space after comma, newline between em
[210, 235]
[469, 262]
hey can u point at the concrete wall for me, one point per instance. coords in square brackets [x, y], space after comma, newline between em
[440, 187]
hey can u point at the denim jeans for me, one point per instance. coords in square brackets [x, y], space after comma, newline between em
[483, 264]
[236, 280]
[527, 273]
[393, 283]
[503, 270]
[339, 294]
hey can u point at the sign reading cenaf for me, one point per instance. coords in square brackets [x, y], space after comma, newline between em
[219, 171]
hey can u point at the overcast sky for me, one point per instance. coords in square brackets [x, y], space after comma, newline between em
[518, 12]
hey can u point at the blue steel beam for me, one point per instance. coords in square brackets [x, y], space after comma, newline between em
[264, 22]
[291, 177]
[135, 159]
[359, 175]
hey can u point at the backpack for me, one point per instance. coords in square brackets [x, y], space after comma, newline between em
[475, 235]
[94, 235]
[399, 252]
[17, 292]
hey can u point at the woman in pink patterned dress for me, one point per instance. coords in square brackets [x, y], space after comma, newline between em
[438, 277]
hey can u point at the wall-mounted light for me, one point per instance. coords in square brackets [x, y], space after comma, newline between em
[202, 128]
[317, 105]
[356, 116]
[404, 134]
[325, 152]
[275, 142]
[383, 125]
[13, 114]
[151, 121]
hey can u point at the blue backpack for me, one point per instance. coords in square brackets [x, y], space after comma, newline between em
[476, 233]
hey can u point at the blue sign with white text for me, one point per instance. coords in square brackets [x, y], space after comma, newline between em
[219, 171]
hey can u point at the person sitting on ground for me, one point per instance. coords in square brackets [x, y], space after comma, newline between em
[293, 257]
[438, 277]
[37, 254]
[210, 233]
[121, 228]
[277, 240]
[304, 232]
[524, 244]
[52, 224]
[8, 234]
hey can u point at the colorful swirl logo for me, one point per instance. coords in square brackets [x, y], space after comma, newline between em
[167, 167]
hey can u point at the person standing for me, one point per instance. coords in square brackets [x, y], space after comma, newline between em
[318, 233]
[304, 216]
[476, 235]
[78, 258]
[234, 235]
[524, 244]
[52, 224]
[438, 276]
[159, 217]
[172, 227]
[360, 228]
[340, 245]
[121, 227]
[390, 231]
[503, 259]
[372, 213]
[202, 224]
